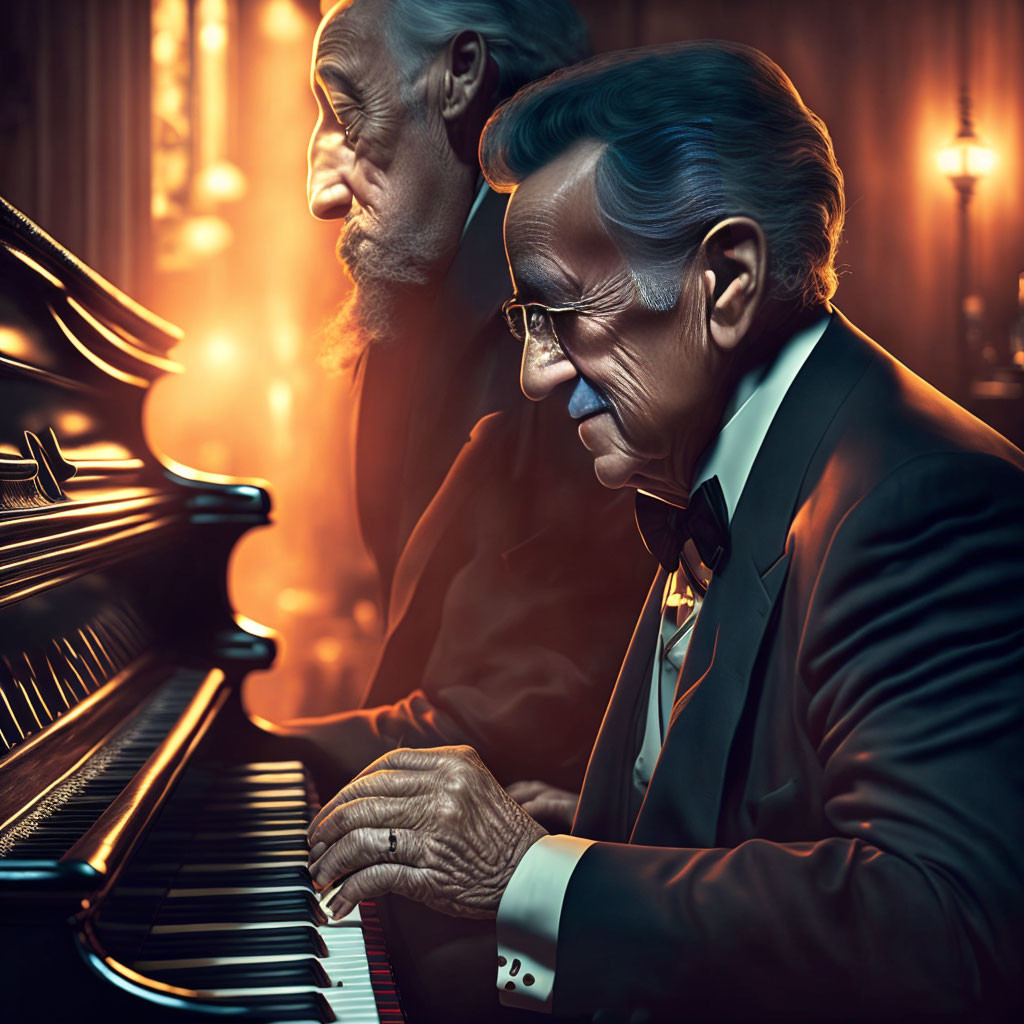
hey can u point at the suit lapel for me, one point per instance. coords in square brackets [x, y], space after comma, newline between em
[604, 807]
[686, 791]
[460, 485]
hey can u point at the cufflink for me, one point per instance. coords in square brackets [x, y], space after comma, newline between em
[509, 979]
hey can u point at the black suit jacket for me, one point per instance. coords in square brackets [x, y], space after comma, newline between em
[835, 827]
[511, 579]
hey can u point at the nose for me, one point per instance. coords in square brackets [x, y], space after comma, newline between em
[545, 366]
[328, 166]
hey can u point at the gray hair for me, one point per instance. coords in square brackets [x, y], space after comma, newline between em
[694, 133]
[526, 38]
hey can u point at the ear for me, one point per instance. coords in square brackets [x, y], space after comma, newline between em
[470, 75]
[735, 254]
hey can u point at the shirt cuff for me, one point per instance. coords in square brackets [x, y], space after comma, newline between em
[528, 917]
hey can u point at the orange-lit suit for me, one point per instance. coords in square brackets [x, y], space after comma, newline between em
[511, 579]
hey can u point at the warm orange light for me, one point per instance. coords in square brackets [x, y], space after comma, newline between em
[279, 398]
[169, 100]
[366, 616]
[966, 158]
[206, 235]
[15, 343]
[328, 650]
[165, 47]
[220, 350]
[303, 601]
[213, 37]
[72, 423]
[282, 20]
[220, 182]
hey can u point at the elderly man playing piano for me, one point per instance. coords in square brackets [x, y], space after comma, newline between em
[807, 795]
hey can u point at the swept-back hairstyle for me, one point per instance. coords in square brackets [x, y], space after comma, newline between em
[527, 38]
[694, 132]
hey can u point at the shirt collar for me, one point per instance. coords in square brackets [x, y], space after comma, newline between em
[484, 189]
[750, 413]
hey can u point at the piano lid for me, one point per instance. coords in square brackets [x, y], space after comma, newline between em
[107, 550]
[51, 261]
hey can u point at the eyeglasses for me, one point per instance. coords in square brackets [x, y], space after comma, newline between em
[532, 320]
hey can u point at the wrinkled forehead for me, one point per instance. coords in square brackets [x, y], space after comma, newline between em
[346, 31]
[552, 225]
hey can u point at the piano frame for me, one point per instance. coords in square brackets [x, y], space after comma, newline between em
[113, 575]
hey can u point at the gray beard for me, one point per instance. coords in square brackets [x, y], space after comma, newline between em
[385, 273]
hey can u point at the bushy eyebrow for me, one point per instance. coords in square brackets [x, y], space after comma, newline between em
[541, 280]
[330, 75]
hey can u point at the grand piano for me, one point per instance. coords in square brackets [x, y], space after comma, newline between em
[152, 838]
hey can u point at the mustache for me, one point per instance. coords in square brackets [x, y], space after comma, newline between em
[399, 256]
[346, 248]
[587, 399]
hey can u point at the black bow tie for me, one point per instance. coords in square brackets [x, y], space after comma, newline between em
[666, 528]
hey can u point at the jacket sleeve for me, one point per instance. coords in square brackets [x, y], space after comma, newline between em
[534, 625]
[532, 635]
[912, 654]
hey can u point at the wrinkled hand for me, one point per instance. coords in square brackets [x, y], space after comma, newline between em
[458, 834]
[554, 808]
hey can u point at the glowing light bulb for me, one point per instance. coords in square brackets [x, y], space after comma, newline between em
[966, 159]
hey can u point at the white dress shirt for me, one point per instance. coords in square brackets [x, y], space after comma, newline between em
[531, 905]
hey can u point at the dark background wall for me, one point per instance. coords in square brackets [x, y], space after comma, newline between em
[75, 156]
[74, 127]
[883, 73]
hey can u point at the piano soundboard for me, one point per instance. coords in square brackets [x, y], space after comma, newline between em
[152, 838]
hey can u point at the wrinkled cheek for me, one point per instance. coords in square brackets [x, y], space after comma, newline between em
[640, 434]
[614, 463]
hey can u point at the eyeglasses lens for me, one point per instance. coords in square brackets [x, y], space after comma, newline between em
[531, 320]
[515, 317]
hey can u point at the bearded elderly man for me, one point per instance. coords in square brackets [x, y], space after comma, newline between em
[807, 795]
[510, 579]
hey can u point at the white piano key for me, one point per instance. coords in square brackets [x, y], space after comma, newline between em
[237, 890]
[255, 767]
[282, 859]
[226, 926]
[221, 961]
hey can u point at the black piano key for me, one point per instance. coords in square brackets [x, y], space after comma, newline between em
[300, 1006]
[268, 907]
[221, 876]
[189, 877]
[233, 942]
[269, 972]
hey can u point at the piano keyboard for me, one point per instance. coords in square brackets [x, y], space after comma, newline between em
[124, 855]
[219, 900]
[69, 810]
